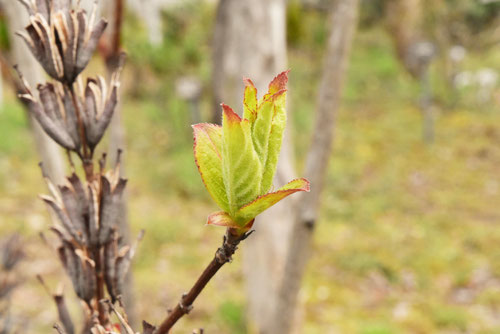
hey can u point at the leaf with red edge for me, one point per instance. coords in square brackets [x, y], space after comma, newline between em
[208, 157]
[251, 210]
[273, 139]
[249, 100]
[238, 161]
[241, 168]
[278, 83]
[221, 218]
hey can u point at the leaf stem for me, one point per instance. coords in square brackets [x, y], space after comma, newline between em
[223, 255]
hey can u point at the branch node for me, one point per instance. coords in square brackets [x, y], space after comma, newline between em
[185, 308]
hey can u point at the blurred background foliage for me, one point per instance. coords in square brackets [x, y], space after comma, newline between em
[408, 238]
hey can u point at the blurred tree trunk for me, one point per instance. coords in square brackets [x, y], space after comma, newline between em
[48, 151]
[343, 25]
[403, 20]
[150, 13]
[250, 41]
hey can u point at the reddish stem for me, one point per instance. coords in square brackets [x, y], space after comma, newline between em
[222, 256]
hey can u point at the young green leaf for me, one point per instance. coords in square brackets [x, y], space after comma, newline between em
[274, 140]
[241, 168]
[261, 129]
[251, 210]
[237, 161]
[208, 157]
[249, 101]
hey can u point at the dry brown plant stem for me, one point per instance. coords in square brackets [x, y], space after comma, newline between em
[222, 256]
[103, 318]
[80, 122]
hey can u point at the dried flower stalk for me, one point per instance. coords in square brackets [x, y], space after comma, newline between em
[63, 37]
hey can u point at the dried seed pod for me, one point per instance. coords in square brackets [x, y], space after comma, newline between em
[70, 205]
[40, 6]
[100, 102]
[80, 269]
[54, 114]
[87, 279]
[123, 261]
[69, 260]
[117, 264]
[110, 254]
[61, 39]
[63, 218]
[75, 213]
[111, 194]
[81, 197]
[62, 113]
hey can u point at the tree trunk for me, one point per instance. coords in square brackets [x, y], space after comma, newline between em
[150, 13]
[403, 20]
[48, 151]
[250, 41]
[343, 24]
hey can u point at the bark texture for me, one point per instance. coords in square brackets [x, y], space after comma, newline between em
[49, 153]
[343, 24]
[250, 41]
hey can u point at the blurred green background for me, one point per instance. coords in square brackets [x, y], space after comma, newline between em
[407, 240]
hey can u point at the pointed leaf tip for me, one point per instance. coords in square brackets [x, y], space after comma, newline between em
[262, 203]
[230, 114]
[248, 82]
[221, 218]
[279, 82]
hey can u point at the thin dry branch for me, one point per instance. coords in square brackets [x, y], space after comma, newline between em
[222, 256]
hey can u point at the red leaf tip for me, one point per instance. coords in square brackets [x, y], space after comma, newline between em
[230, 114]
[248, 82]
[279, 82]
[307, 187]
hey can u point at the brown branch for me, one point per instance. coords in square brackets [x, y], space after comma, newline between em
[117, 27]
[110, 44]
[222, 256]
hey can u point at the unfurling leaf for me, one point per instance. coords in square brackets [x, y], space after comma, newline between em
[264, 202]
[241, 168]
[237, 161]
[208, 157]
